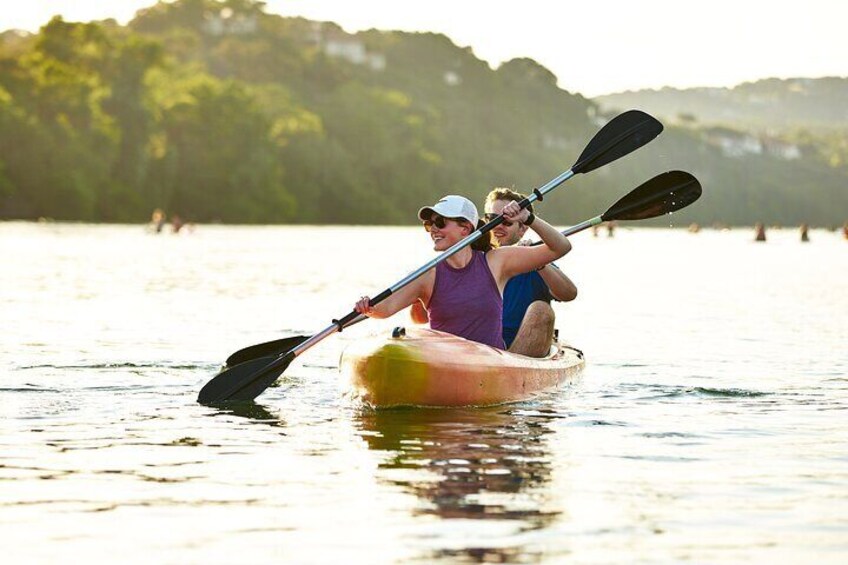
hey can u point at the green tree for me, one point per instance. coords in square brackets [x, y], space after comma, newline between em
[124, 74]
[220, 162]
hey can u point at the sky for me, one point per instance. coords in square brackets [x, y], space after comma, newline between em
[592, 47]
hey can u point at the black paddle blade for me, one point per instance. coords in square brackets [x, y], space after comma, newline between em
[623, 134]
[269, 348]
[663, 194]
[245, 381]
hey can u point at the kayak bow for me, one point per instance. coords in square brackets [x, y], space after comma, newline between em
[424, 367]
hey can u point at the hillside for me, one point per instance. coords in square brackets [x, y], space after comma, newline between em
[770, 103]
[219, 111]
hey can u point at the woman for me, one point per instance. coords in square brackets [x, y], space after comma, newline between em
[464, 294]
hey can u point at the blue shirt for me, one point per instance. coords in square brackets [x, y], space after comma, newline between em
[520, 292]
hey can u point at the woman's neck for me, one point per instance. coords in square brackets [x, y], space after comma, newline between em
[461, 258]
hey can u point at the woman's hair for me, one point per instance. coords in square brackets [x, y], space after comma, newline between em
[507, 194]
[484, 243]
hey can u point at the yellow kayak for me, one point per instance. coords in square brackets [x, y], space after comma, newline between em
[424, 367]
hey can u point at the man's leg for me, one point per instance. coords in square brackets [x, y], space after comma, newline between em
[536, 332]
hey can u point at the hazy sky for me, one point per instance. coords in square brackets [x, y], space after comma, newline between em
[593, 47]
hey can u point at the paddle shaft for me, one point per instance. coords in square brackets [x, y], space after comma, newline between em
[338, 325]
[271, 349]
[580, 227]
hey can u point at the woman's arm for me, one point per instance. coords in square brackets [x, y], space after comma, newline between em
[418, 313]
[511, 261]
[398, 300]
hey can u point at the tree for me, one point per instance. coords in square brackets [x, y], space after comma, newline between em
[220, 162]
[124, 74]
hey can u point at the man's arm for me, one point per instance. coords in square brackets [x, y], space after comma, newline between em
[561, 287]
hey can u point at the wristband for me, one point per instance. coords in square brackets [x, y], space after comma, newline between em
[530, 219]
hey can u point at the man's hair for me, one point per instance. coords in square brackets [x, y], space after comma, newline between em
[507, 194]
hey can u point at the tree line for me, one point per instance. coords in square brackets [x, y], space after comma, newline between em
[221, 112]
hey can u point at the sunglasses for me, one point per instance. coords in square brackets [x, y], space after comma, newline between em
[435, 220]
[490, 216]
[438, 221]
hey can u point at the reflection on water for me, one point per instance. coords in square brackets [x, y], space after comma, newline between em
[250, 410]
[479, 464]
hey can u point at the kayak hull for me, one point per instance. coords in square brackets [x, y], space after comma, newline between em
[429, 368]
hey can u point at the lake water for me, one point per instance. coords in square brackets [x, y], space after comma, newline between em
[709, 426]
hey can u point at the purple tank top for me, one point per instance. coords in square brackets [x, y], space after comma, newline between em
[466, 302]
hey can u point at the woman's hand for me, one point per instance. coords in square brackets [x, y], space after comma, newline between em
[363, 306]
[512, 212]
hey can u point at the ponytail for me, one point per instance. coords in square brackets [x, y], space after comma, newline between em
[484, 243]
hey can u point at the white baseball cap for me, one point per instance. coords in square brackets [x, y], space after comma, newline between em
[452, 206]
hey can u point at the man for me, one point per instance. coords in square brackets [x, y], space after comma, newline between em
[528, 319]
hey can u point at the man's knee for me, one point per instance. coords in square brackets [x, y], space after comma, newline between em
[539, 313]
[536, 331]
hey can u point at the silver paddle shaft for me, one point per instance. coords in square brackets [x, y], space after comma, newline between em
[445, 255]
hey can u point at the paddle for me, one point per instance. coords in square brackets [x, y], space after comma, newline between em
[621, 135]
[274, 347]
[663, 194]
[265, 349]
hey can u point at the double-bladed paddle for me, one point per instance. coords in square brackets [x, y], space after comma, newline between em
[663, 194]
[621, 135]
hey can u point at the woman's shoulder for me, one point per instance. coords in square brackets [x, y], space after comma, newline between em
[496, 257]
[492, 256]
[498, 253]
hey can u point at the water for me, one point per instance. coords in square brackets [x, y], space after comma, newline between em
[709, 425]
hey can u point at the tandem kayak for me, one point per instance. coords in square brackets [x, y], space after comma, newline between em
[429, 368]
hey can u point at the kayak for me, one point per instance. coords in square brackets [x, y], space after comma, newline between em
[429, 368]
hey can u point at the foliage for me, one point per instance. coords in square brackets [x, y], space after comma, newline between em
[217, 111]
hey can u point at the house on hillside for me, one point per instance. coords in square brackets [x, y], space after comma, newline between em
[452, 78]
[339, 45]
[354, 51]
[733, 143]
[227, 22]
[782, 149]
[553, 141]
[738, 144]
